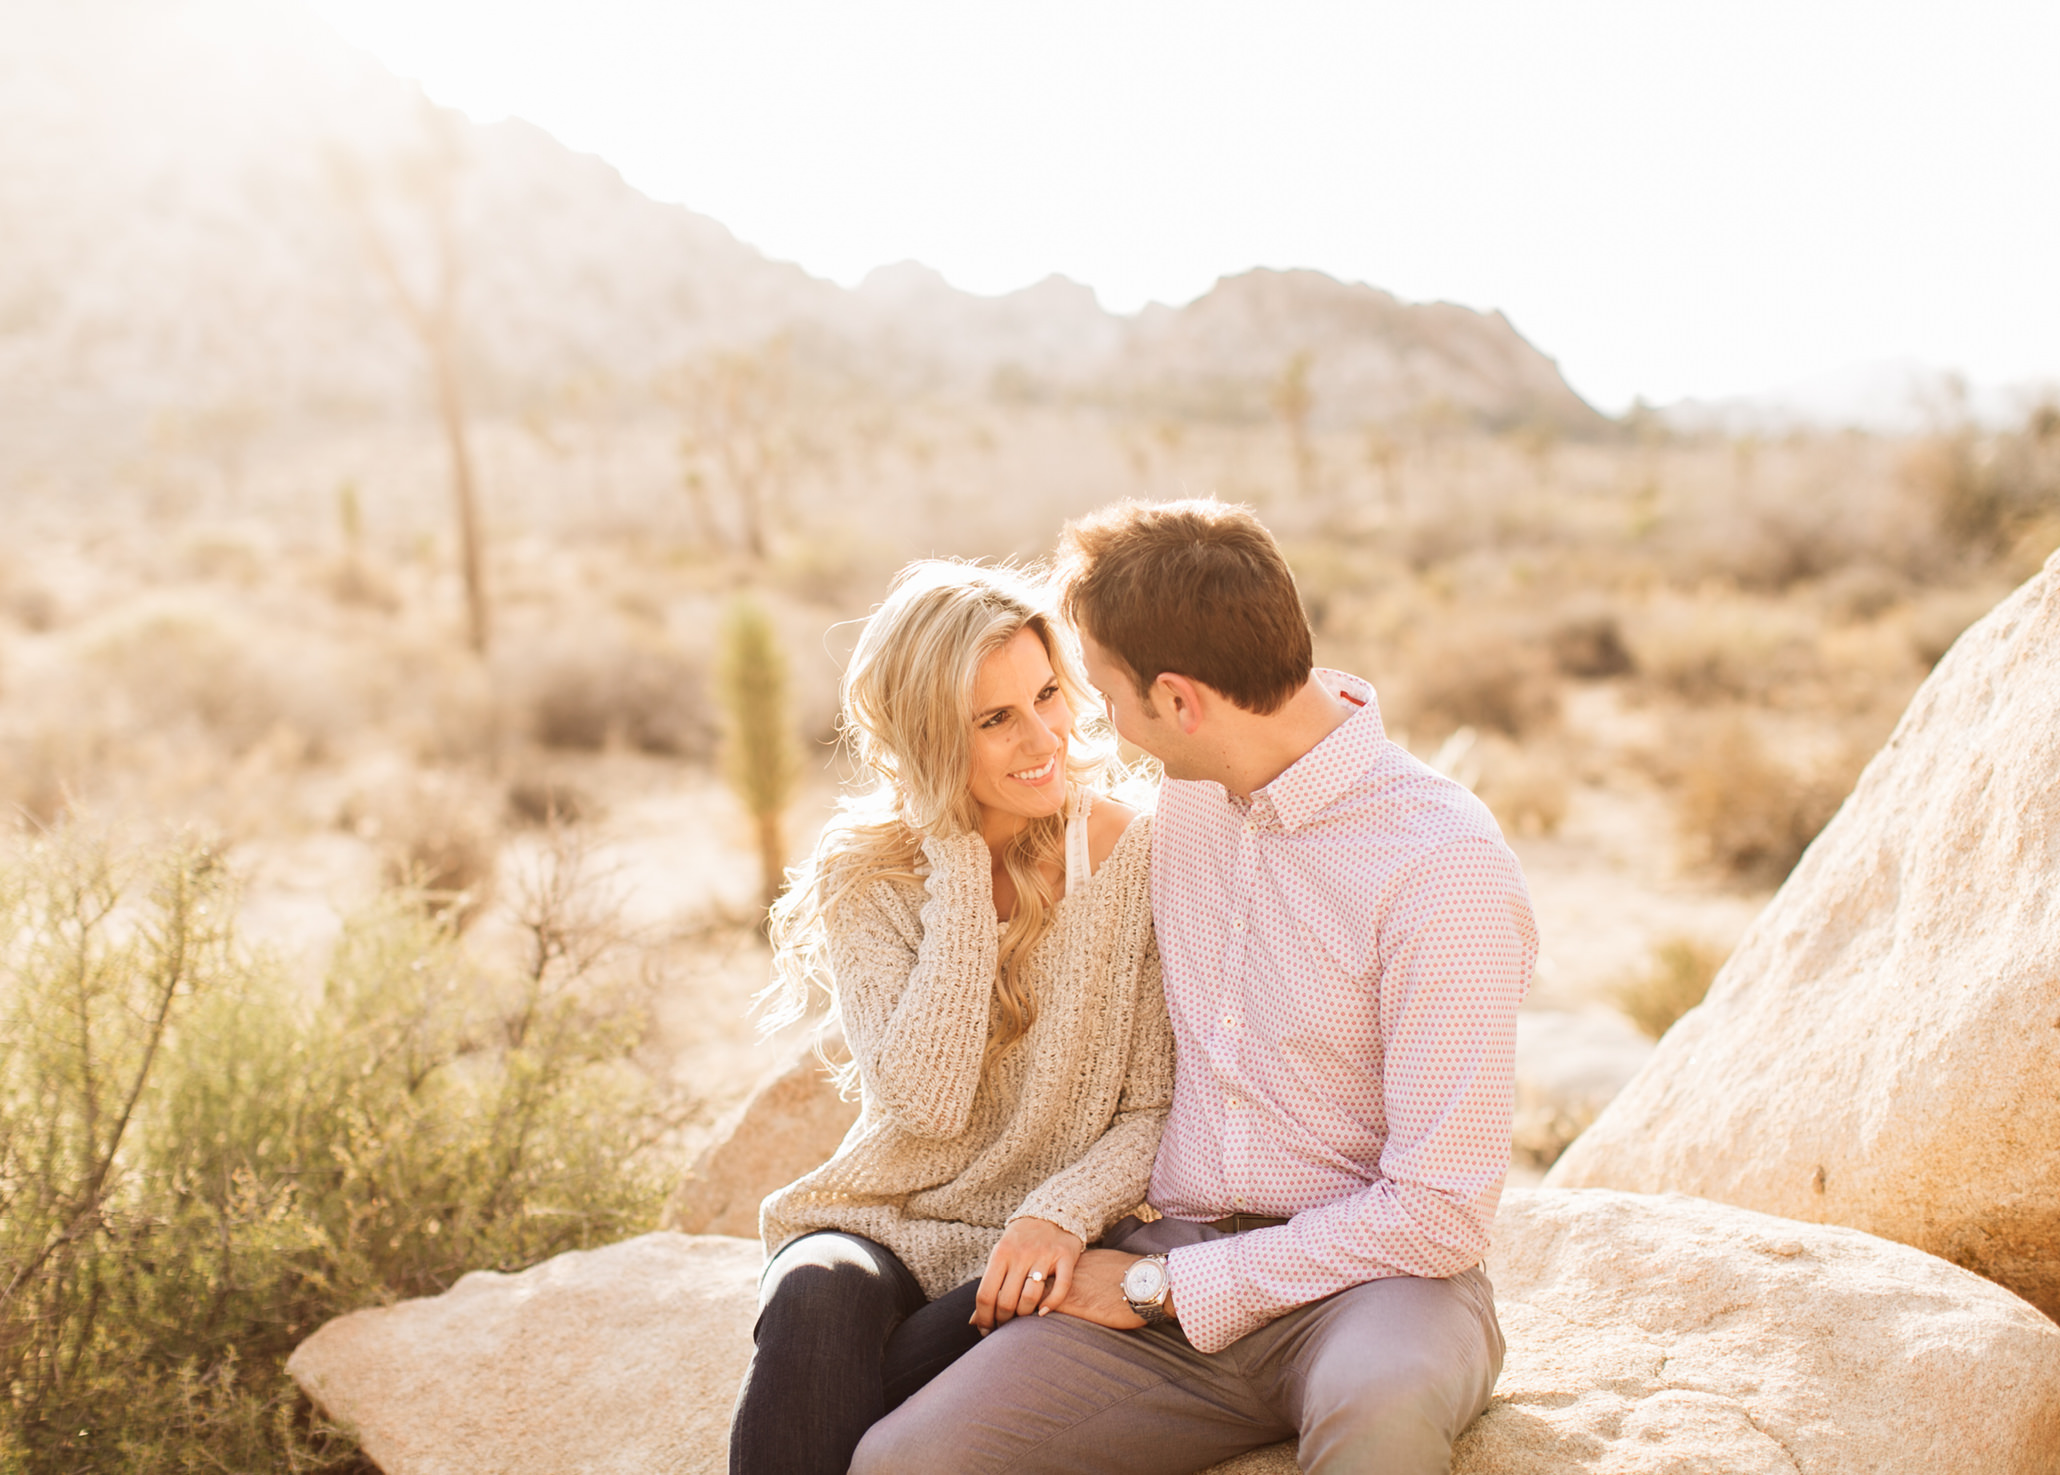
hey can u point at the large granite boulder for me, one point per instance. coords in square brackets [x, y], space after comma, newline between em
[1882, 1049]
[792, 1122]
[1647, 1336]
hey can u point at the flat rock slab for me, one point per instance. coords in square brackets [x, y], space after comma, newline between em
[1664, 1335]
[1647, 1336]
[618, 1361]
[1881, 1050]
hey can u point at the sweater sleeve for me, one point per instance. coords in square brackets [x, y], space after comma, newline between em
[1111, 1177]
[915, 1011]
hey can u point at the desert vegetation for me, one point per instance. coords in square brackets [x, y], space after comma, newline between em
[201, 1159]
[459, 964]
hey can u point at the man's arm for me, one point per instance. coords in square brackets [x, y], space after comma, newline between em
[1457, 948]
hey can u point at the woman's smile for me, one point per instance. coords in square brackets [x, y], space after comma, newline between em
[1039, 776]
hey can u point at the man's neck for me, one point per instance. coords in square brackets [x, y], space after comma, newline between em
[1259, 749]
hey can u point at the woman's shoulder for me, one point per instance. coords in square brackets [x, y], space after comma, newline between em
[1107, 822]
[1115, 829]
[1121, 857]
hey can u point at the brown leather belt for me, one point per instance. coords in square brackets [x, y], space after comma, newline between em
[1242, 1223]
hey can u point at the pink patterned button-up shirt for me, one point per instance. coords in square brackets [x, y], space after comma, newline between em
[1343, 959]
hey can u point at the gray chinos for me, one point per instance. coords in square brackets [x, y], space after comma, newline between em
[1379, 1379]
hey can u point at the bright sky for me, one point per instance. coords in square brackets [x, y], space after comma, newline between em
[1672, 198]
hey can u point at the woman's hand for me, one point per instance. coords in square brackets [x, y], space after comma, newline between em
[1032, 1265]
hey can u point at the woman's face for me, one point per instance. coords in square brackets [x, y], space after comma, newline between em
[1021, 726]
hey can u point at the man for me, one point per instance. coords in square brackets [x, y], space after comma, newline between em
[1345, 940]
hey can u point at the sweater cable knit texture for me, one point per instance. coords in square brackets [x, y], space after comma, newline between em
[1062, 1127]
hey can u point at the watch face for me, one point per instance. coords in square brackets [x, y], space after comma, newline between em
[1144, 1281]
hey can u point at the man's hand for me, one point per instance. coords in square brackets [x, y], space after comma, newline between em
[1028, 1247]
[1096, 1293]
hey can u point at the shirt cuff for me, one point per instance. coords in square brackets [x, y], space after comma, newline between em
[1211, 1292]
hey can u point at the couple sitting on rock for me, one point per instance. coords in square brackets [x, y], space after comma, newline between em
[1280, 1011]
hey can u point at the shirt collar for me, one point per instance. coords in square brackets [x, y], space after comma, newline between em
[1320, 776]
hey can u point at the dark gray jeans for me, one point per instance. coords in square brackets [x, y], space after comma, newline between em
[844, 1334]
[1376, 1380]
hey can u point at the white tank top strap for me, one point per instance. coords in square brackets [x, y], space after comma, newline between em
[1078, 868]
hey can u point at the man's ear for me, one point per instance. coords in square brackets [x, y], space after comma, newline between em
[1185, 700]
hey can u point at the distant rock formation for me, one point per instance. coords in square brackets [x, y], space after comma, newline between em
[1646, 1336]
[176, 239]
[1369, 358]
[1882, 1049]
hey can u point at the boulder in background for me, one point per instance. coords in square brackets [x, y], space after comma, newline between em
[792, 1123]
[1881, 1050]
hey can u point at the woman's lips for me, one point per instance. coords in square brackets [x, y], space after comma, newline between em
[1037, 778]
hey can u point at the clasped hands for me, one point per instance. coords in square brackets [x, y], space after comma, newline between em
[1069, 1279]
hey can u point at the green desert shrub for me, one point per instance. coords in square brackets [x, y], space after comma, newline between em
[759, 757]
[200, 1163]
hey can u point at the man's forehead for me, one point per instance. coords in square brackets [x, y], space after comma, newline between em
[1095, 653]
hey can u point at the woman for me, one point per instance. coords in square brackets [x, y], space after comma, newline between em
[981, 921]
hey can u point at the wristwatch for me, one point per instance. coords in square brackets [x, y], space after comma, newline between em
[1146, 1287]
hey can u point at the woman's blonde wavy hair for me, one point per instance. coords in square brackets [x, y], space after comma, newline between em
[908, 717]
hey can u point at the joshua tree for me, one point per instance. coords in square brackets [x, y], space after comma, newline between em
[742, 434]
[1292, 401]
[420, 198]
[758, 738]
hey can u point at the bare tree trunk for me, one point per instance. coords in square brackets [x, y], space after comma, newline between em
[751, 507]
[1292, 403]
[772, 858]
[697, 498]
[451, 409]
[433, 315]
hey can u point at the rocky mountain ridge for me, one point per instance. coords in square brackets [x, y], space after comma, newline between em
[192, 192]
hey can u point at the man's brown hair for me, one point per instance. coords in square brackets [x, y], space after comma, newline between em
[1198, 589]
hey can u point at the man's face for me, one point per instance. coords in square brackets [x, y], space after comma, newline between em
[1150, 731]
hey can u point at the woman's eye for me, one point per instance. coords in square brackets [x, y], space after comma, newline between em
[996, 720]
[1048, 693]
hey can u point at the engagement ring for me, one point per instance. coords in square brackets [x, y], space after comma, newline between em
[1036, 1275]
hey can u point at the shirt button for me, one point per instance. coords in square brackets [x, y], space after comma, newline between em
[1233, 1101]
[1228, 1022]
[1237, 924]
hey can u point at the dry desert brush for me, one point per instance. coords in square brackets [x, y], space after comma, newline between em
[1674, 980]
[1745, 811]
[199, 1163]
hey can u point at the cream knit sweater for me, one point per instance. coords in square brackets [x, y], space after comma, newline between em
[1062, 1127]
